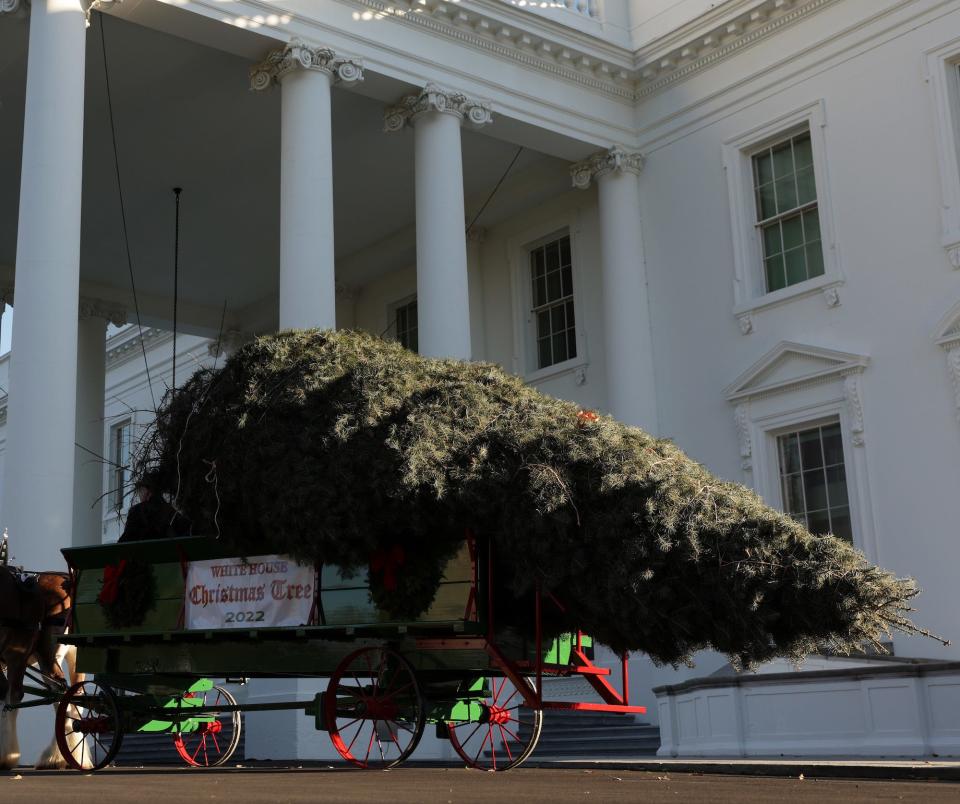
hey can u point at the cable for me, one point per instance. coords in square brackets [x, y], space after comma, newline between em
[176, 279]
[123, 213]
[496, 187]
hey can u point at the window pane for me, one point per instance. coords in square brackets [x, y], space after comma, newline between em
[793, 494]
[567, 275]
[796, 266]
[543, 352]
[565, 251]
[818, 522]
[553, 286]
[570, 321]
[832, 444]
[837, 486]
[766, 203]
[559, 347]
[762, 169]
[815, 488]
[782, 161]
[840, 524]
[810, 449]
[789, 454]
[557, 318]
[775, 275]
[543, 323]
[771, 240]
[811, 225]
[802, 151]
[571, 343]
[540, 292]
[786, 194]
[537, 257]
[792, 232]
[806, 186]
[553, 255]
[815, 259]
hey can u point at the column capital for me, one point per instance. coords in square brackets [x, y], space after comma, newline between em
[12, 6]
[296, 55]
[112, 312]
[434, 98]
[613, 160]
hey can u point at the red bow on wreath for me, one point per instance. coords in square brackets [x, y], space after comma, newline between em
[388, 562]
[111, 582]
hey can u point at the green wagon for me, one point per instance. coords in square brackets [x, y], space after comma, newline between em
[452, 668]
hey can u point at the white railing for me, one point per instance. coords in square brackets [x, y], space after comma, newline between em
[586, 8]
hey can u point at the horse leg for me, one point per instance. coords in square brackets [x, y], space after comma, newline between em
[51, 758]
[9, 746]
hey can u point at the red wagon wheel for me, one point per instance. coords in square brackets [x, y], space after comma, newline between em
[374, 709]
[505, 734]
[88, 726]
[213, 742]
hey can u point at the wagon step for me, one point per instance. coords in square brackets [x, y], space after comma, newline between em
[553, 669]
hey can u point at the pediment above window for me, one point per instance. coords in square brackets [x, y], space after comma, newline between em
[789, 366]
[948, 330]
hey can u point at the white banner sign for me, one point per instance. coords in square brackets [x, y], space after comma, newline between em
[257, 592]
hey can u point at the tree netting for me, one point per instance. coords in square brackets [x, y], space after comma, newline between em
[341, 447]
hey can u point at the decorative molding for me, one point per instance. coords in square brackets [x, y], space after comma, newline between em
[832, 296]
[613, 160]
[3, 408]
[851, 390]
[434, 98]
[296, 55]
[129, 347]
[953, 367]
[741, 415]
[791, 366]
[112, 312]
[745, 320]
[12, 6]
[659, 68]
[616, 71]
[953, 255]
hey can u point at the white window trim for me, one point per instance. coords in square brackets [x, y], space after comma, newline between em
[838, 398]
[524, 326]
[943, 77]
[749, 285]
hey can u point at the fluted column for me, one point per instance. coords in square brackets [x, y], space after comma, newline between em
[631, 395]
[41, 418]
[443, 296]
[91, 386]
[306, 74]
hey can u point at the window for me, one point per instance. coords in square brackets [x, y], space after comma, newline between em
[405, 322]
[788, 220]
[551, 276]
[813, 479]
[120, 440]
[943, 78]
[784, 243]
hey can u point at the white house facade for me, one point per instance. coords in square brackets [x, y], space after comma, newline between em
[735, 224]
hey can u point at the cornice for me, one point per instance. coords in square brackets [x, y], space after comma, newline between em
[127, 345]
[296, 55]
[584, 59]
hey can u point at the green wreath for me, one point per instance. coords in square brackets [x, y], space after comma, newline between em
[129, 591]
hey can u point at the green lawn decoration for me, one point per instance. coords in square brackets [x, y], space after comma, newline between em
[344, 448]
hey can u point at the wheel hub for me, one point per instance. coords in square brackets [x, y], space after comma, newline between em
[94, 725]
[498, 715]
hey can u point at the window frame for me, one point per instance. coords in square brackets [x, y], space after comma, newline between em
[118, 502]
[750, 293]
[392, 309]
[519, 248]
[943, 77]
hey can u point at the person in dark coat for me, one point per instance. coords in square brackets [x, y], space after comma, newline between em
[153, 517]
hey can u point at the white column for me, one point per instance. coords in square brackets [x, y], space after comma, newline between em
[443, 296]
[38, 488]
[628, 348]
[88, 468]
[307, 283]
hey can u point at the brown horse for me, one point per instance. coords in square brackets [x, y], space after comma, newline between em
[31, 618]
